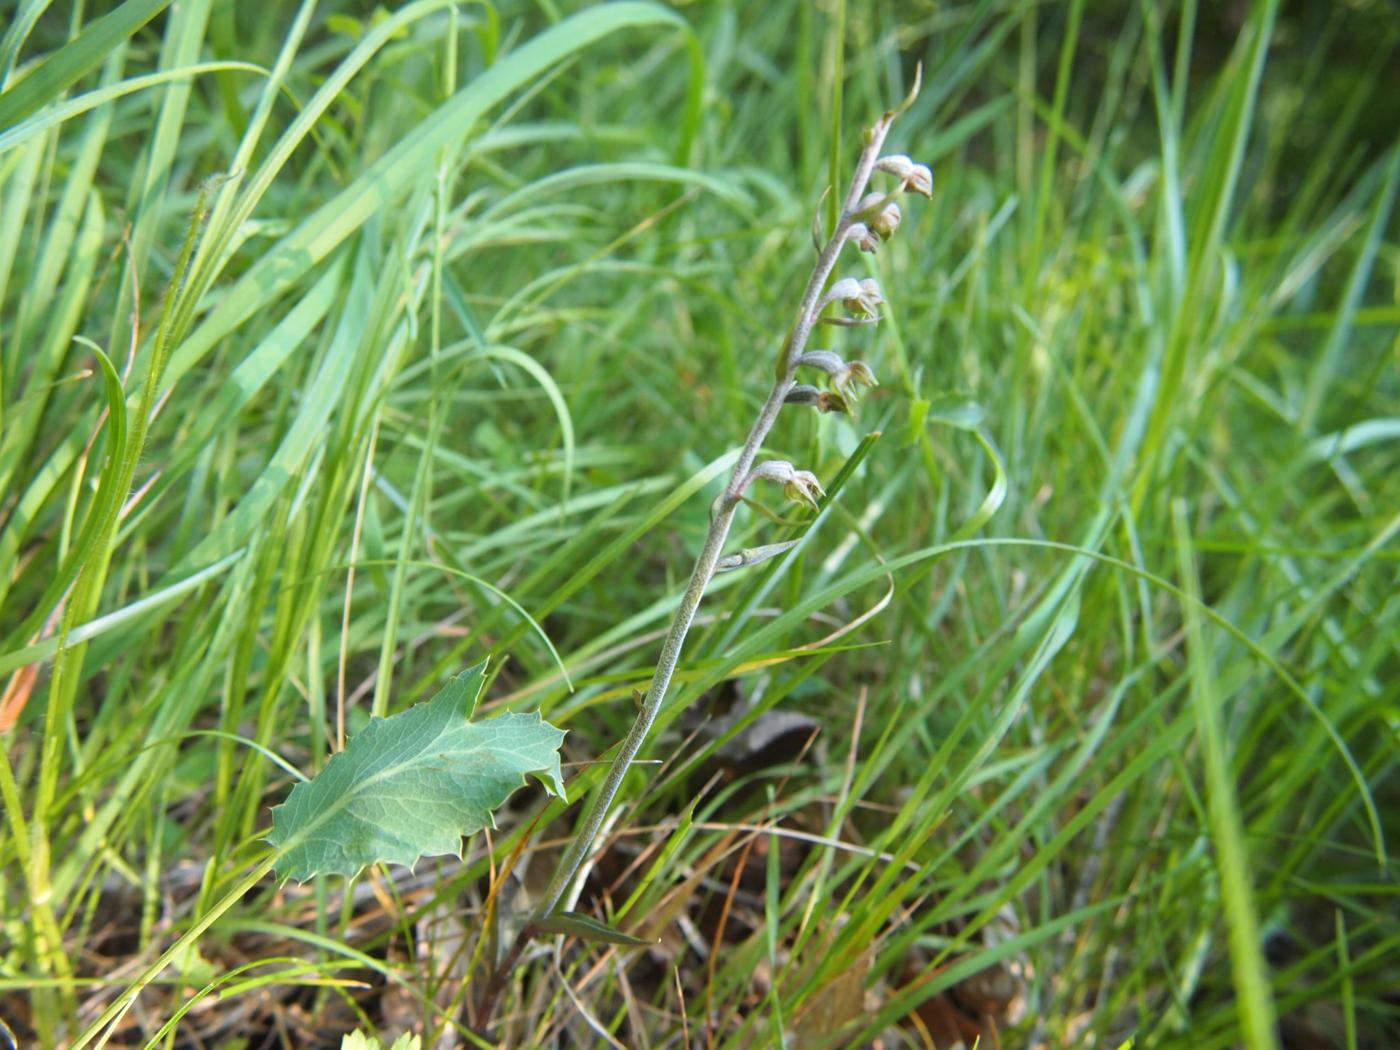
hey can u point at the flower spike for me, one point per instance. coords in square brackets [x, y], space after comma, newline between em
[868, 219]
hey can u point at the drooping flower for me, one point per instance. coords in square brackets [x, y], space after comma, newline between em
[800, 486]
[860, 298]
[911, 176]
[866, 239]
[856, 375]
[847, 378]
[880, 214]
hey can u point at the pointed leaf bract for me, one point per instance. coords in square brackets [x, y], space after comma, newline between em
[587, 928]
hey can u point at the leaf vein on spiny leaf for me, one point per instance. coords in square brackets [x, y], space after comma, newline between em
[414, 784]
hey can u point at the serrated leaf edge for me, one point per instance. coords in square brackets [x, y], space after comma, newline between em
[550, 779]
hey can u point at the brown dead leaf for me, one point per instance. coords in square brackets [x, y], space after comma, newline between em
[836, 1004]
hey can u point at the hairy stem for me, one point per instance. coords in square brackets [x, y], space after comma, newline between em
[722, 519]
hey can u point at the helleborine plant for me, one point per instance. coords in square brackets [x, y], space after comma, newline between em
[865, 220]
[416, 783]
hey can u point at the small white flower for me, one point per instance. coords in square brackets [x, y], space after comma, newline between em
[865, 238]
[804, 488]
[867, 301]
[800, 486]
[859, 298]
[881, 215]
[846, 378]
[911, 176]
[855, 376]
[845, 288]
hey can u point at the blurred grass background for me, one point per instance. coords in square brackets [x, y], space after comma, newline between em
[403, 311]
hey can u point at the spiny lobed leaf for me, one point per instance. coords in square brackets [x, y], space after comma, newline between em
[413, 784]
